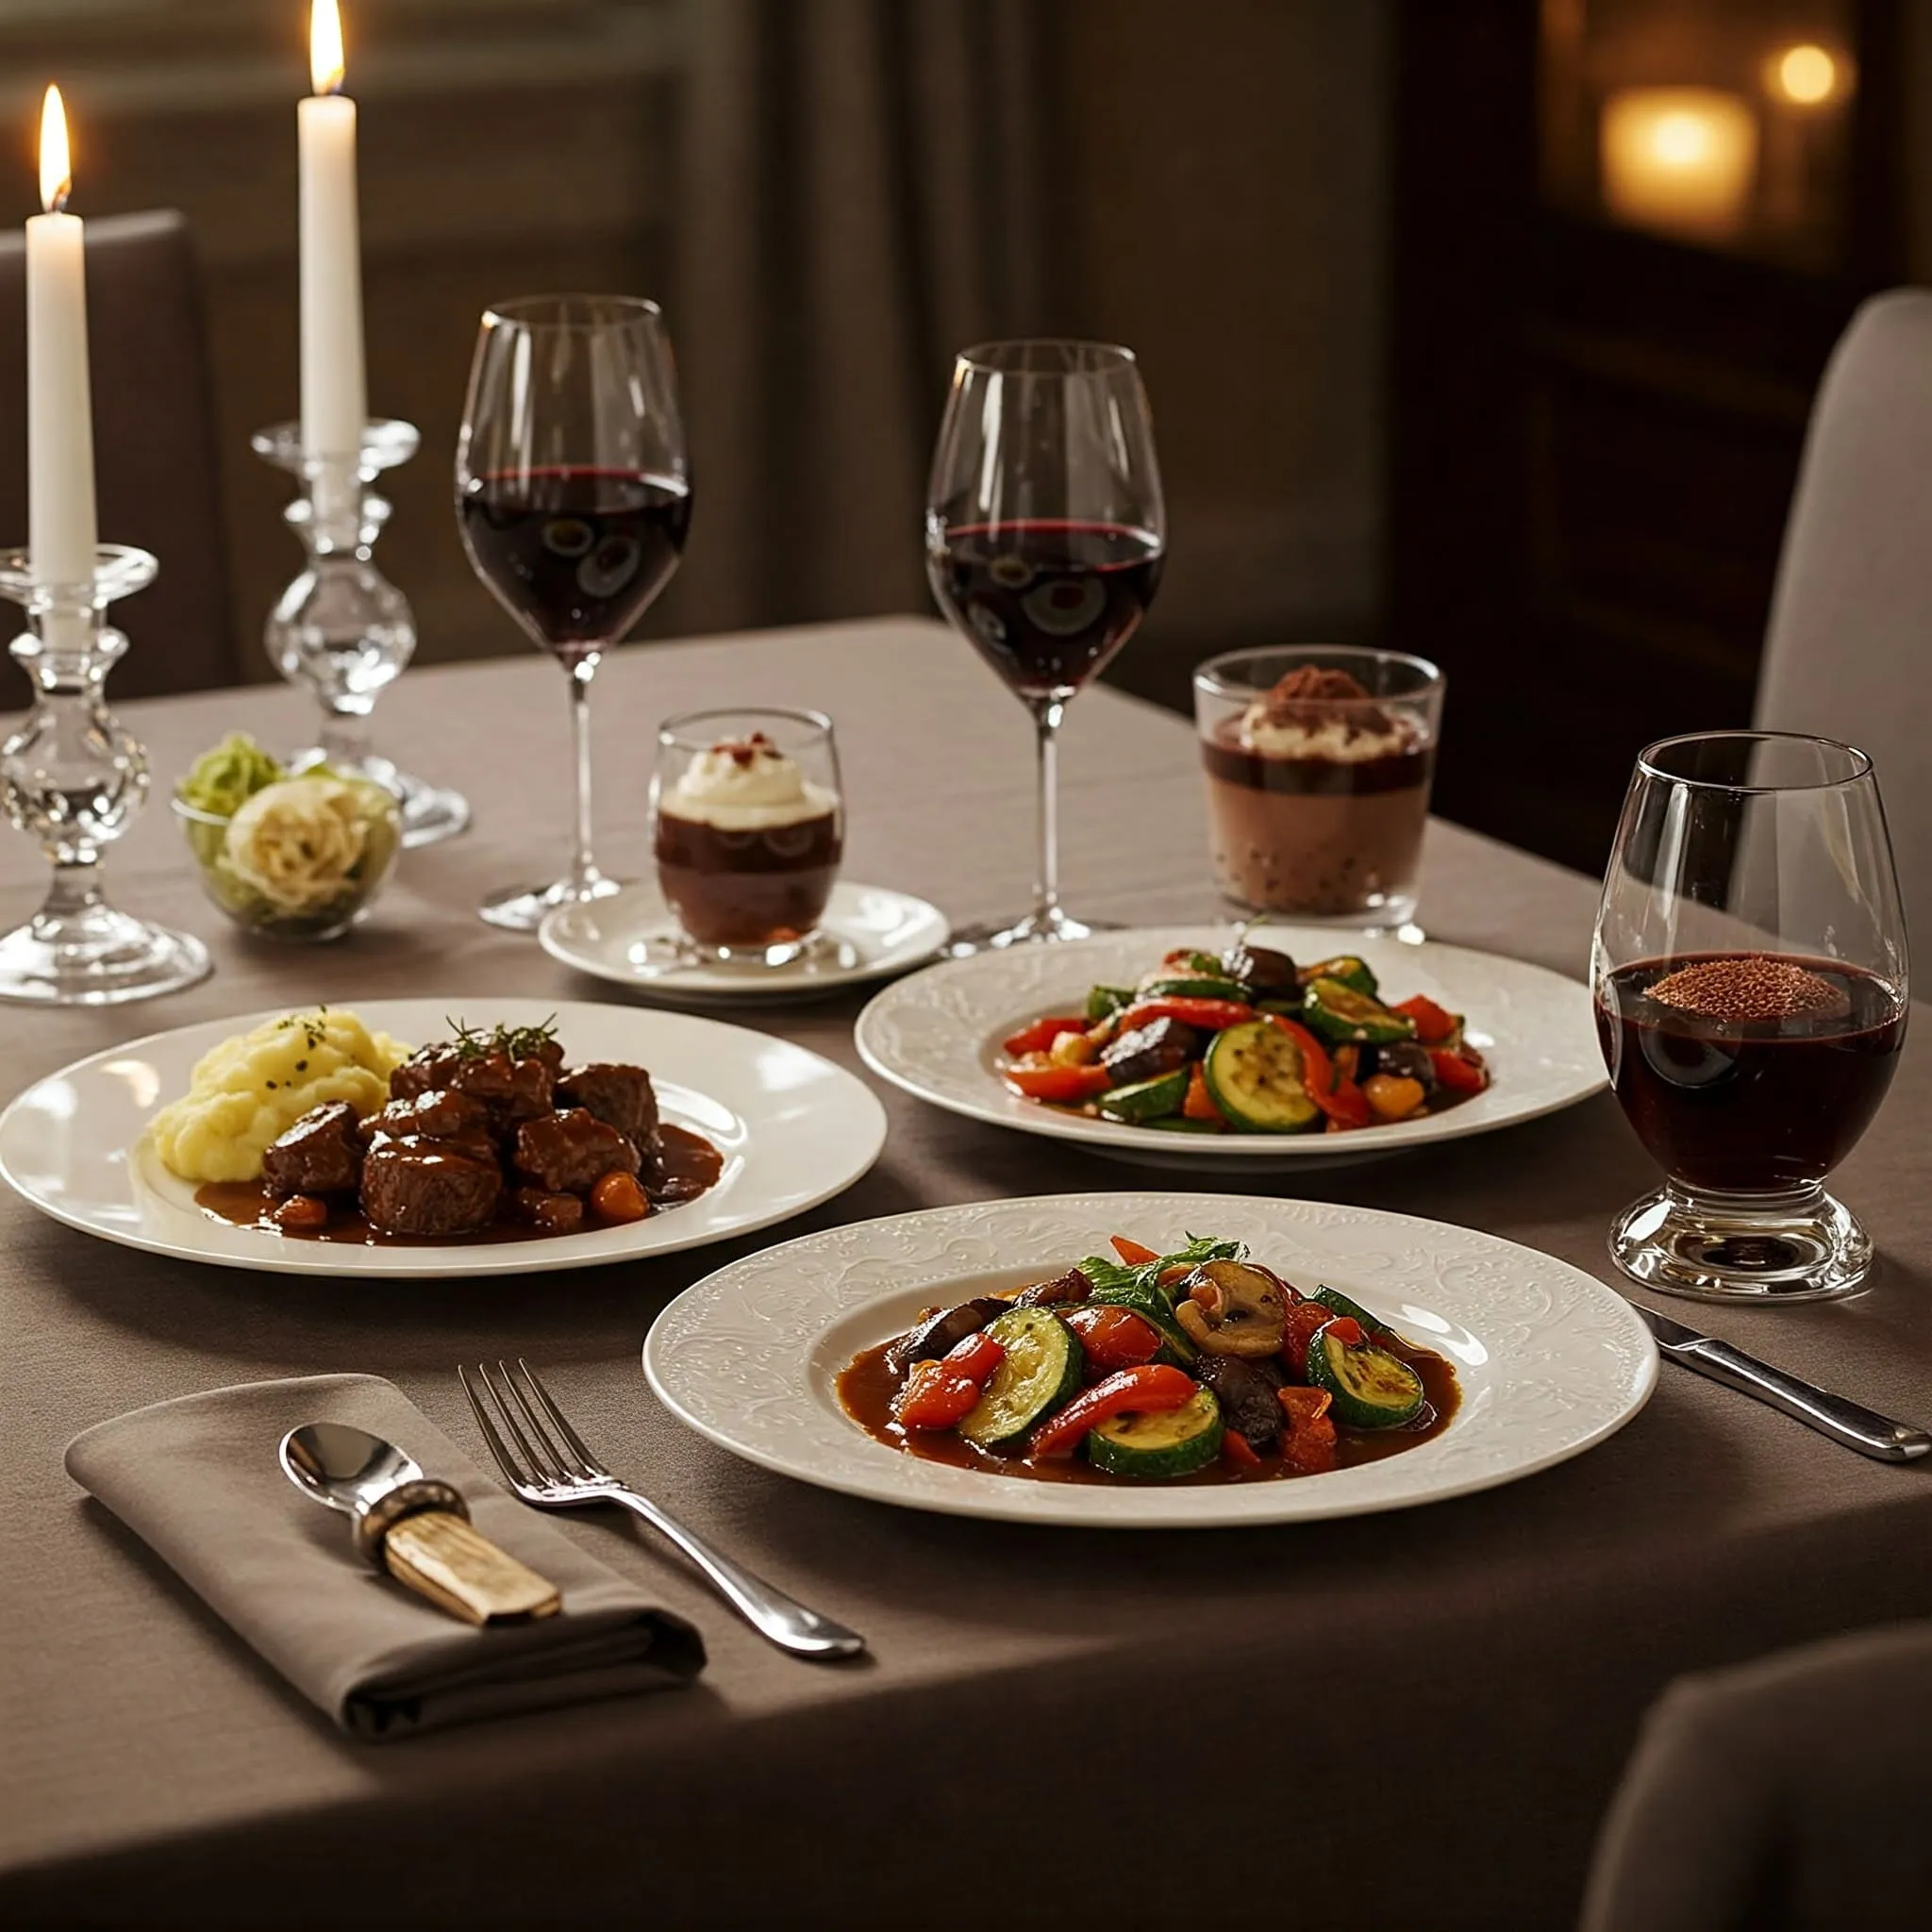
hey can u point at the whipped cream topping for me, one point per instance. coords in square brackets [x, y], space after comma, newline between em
[746, 787]
[1347, 741]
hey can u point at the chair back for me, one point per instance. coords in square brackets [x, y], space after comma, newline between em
[156, 470]
[1849, 650]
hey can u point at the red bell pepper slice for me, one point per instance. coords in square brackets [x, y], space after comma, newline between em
[975, 1357]
[1432, 1022]
[1347, 1107]
[1307, 1446]
[1056, 1086]
[1115, 1338]
[1237, 1449]
[1458, 1072]
[1210, 1016]
[1135, 1253]
[1348, 1331]
[1198, 1105]
[934, 1397]
[1146, 1390]
[1304, 1318]
[1041, 1035]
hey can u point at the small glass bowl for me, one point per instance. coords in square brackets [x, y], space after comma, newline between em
[307, 916]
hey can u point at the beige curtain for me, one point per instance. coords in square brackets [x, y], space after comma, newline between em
[860, 196]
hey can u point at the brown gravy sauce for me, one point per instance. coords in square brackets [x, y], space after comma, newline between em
[691, 1167]
[867, 1386]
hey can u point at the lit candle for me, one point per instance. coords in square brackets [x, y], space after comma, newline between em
[334, 405]
[59, 417]
[1678, 158]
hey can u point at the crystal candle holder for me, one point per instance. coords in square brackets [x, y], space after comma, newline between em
[73, 777]
[342, 631]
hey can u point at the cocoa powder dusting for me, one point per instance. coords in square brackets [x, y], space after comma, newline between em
[1308, 696]
[1751, 988]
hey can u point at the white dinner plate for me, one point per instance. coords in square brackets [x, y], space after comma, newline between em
[793, 1129]
[938, 1034]
[869, 932]
[1549, 1360]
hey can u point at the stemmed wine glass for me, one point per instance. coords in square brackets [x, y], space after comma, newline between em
[574, 497]
[1044, 538]
[1750, 978]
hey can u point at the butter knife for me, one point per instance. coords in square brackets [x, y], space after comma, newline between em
[1844, 1422]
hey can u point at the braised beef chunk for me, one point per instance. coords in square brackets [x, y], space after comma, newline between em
[552, 1214]
[567, 1152]
[416, 1186]
[1061, 1290]
[319, 1155]
[931, 1337]
[1246, 1393]
[621, 1097]
[438, 1114]
[513, 1090]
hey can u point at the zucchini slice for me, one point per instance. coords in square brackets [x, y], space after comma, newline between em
[1371, 1388]
[1103, 1002]
[1343, 1016]
[1338, 1303]
[1345, 967]
[1040, 1371]
[1254, 1074]
[1197, 987]
[1158, 1447]
[1146, 1100]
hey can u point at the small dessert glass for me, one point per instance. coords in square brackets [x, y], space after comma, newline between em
[1318, 815]
[748, 880]
[1750, 980]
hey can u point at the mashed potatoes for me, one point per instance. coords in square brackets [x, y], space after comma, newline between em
[250, 1090]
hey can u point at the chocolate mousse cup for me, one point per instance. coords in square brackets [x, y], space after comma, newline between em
[748, 878]
[1318, 760]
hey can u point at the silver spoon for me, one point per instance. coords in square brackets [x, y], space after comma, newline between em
[413, 1526]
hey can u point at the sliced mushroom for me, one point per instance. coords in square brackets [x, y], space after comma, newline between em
[1230, 1308]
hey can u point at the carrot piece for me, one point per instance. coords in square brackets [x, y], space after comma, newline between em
[1135, 1253]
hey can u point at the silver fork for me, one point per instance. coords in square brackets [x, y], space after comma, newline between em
[557, 1472]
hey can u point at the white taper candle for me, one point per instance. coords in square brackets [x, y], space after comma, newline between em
[334, 399]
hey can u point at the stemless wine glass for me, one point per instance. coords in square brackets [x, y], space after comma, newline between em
[573, 496]
[1750, 978]
[1044, 538]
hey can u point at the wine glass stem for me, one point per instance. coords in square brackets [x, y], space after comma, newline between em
[583, 867]
[345, 737]
[1047, 713]
[76, 888]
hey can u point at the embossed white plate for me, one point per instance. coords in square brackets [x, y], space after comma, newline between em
[793, 1129]
[1550, 1360]
[938, 1034]
[869, 933]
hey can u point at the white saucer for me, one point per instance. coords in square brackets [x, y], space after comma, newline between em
[868, 932]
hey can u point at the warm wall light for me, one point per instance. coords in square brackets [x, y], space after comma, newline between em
[1805, 75]
[1680, 158]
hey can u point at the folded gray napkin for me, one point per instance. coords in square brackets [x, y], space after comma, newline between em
[197, 1479]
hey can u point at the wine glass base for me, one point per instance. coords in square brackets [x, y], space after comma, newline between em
[1799, 1247]
[96, 957]
[430, 812]
[522, 909]
[1036, 929]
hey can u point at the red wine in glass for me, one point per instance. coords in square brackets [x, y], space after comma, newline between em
[578, 554]
[1047, 601]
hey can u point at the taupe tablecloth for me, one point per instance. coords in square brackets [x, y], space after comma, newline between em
[1144, 1692]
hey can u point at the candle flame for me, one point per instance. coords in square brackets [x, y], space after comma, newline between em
[57, 168]
[325, 64]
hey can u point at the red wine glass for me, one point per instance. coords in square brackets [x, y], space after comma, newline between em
[1750, 980]
[1044, 538]
[574, 497]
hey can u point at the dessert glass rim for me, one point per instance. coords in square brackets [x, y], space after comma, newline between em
[1857, 763]
[677, 734]
[1081, 356]
[572, 311]
[1209, 675]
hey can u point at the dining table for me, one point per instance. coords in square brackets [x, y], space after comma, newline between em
[1410, 1719]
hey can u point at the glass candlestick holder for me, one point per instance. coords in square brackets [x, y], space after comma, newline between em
[342, 631]
[73, 777]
